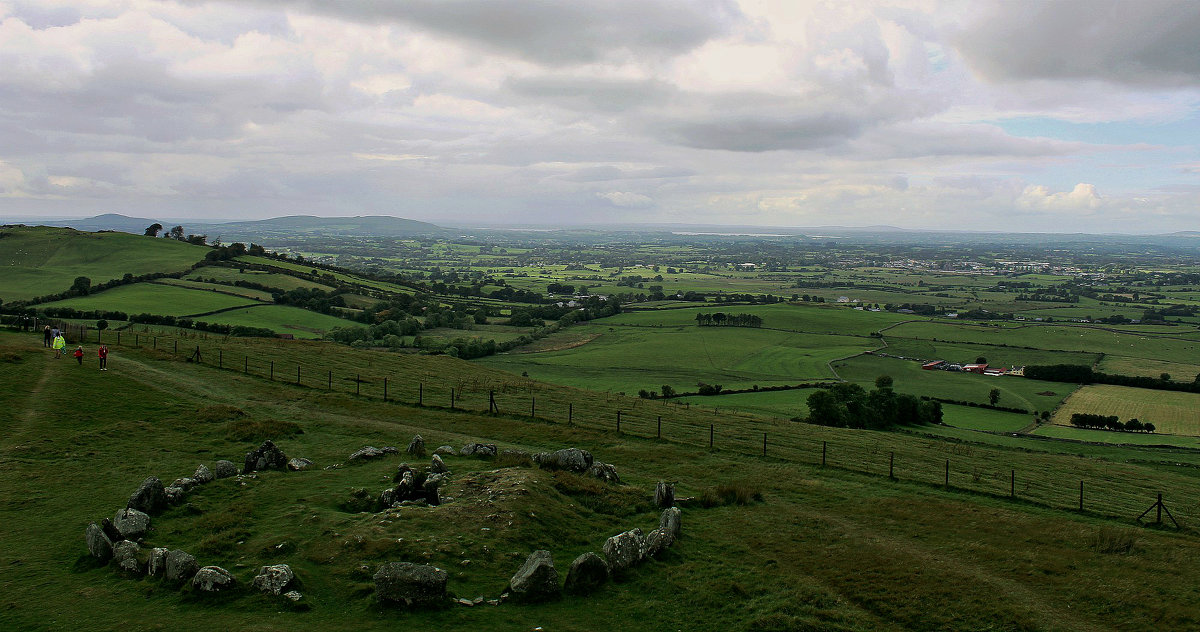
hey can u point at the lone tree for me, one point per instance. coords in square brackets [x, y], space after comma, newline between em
[993, 396]
[883, 381]
[81, 286]
[177, 233]
[153, 230]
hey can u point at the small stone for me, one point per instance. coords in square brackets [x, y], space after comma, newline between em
[175, 495]
[606, 472]
[266, 457]
[273, 579]
[203, 475]
[180, 567]
[365, 453]
[438, 466]
[485, 450]
[98, 544]
[390, 449]
[623, 550]
[536, 580]
[125, 557]
[416, 447]
[465, 602]
[131, 523]
[572, 459]
[212, 579]
[293, 595]
[446, 449]
[298, 464]
[225, 469]
[654, 543]
[670, 523]
[186, 484]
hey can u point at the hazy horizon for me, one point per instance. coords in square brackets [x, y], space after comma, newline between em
[1021, 116]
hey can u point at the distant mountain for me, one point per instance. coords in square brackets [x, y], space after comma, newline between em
[107, 221]
[375, 225]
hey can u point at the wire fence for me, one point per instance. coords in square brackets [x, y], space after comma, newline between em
[1093, 486]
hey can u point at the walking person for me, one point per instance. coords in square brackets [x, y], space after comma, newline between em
[103, 357]
[48, 338]
[58, 345]
[79, 355]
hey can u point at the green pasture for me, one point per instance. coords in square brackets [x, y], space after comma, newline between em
[277, 280]
[345, 278]
[1117, 438]
[1146, 367]
[283, 319]
[154, 298]
[780, 404]
[1171, 412]
[246, 292]
[983, 418]
[958, 353]
[909, 377]
[628, 359]
[799, 318]
[40, 260]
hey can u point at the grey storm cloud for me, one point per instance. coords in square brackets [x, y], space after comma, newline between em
[549, 31]
[764, 133]
[1144, 42]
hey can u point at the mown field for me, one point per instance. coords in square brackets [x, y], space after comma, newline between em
[283, 319]
[155, 298]
[1170, 412]
[38, 261]
[841, 545]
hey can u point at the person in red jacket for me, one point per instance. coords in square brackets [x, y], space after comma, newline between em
[103, 357]
[79, 355]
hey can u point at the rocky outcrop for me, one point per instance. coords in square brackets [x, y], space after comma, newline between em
[416, 447]
[536, 580]
[98, 544]
[624, 550]
[149, 497]
[587, 573]
[225, 469]
[266, 457]
[274, 579]
[131, 523]
[180, 567]
[212, 579]
[411, 585]
[571, 459]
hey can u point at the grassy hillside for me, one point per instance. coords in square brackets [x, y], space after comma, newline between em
[155, 298]
[828, 549]
[41, 260]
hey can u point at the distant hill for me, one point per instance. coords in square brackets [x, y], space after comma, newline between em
[375, 225]
[108, 221]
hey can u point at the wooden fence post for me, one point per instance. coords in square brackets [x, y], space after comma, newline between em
[246, 365]
[532, 406]
[764, 444]
[420, 393]
[452, 398]
[570, 413]
[385, 389]
[1012, 484]
[220, 358]
[176, 349]
[892, 465]
[618, 422]
[329, 382]
[659, 435]
[297, 374]
[824, 445]
[711, 431]
[1080, 495]
[357, 384]
[272, 375]
[947, 483]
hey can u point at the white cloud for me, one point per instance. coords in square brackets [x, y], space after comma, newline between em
[1082, 199]
[625, 199]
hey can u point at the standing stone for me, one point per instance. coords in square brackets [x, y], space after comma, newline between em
[670, 523]
[180, 567]
[273, 579]
[131, 523]
[653, 544]
[125, 557]
[266, 457]
[212, 579]
[624, 550]
[446, 449]
[536, 580]
[413, 585]
[203, 475]
[416, 447]
[156, 566]
[406, 487]
[226, 469]
[587, 573]
[298, 464]
[438, 466]
[149, 497]
[432, 487]
[98, 544]
[111, 530]
[664, 494]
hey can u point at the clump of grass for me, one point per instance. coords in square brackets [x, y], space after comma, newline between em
[9, 357]
[224, 527]
[1113, 540]
[218, 413]
[730, 494]
[513, 458]
[601, 497]
[248, 429]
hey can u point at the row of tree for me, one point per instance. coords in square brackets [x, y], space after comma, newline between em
[1083, 374]
[1109, 422]
[848, 405]
[721, 319]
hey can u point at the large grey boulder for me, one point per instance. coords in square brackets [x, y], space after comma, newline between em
[670, 523]
[149, 497]
[273, 579]
[156, 566]
[98, 544]
[653, 544]
[203, 475]
[606, 472]
[437, 465]
[485, 450]
[624, 550]
[664, 494]
[298, 464]
[412, 585]
[266, 457]
[125, 557]
[365, 453]
[212, 579]
[536, 580]
[587, 573]
[416, 447]
[131, 523]
[180, 567]
[225, 469]
[446, 449]
[572, 459]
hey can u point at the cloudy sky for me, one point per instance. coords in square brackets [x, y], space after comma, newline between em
[1011, 115]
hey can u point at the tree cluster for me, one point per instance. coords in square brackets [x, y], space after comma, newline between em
[721, 319]
[848, 405]
[1109, 422]
[1082, 374]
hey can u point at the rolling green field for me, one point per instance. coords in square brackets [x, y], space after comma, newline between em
[1170, 412]
[801, 318]
[38, 261]
[277, 280]
[960, 353]
[627, 359]
[246, 292]
[283, 319]
[154, 298]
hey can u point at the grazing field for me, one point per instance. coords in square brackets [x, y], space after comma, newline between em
[258, 295]
[1149, 367]
[283, 319]
[37, 261]
[276, 280]
[996, 356]
[1170, 412]
[802, 318]
[983, 418]
[781, 404]
[627, 359]
[1015, 392]
[154, 298]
